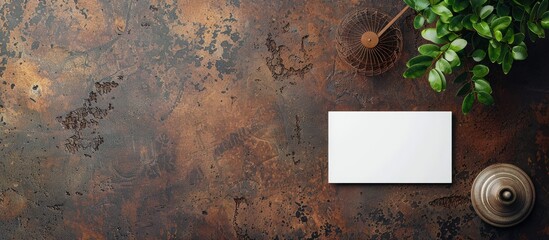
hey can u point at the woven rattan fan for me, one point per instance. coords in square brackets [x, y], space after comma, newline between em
[368, 41]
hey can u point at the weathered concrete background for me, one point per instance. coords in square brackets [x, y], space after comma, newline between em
[138, 119]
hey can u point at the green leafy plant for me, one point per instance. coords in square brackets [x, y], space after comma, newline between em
[482, 30]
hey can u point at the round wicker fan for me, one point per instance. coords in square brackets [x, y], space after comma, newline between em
[368, 41]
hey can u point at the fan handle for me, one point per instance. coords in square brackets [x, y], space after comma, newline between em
[392, 21]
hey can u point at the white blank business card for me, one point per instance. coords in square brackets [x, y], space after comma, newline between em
[389, 147]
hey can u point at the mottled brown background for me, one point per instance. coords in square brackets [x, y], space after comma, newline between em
[138, 119]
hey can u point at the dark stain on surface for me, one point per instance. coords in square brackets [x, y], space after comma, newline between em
[449, 227]
[450, 201]
[225, 65]
[379, 217]
[105, 87]
[153, 8]
[276, 63]
[300, 212]
[76, 143]
[235, 3]
[87, 117]
[160, 159]
[234, 139]
[240, 233]
[35, 45]
[330, 229]
[196, 176]
[297, 130]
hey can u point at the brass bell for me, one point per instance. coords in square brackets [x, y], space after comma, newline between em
[502, 195]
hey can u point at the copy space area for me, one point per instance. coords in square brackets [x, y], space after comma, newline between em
[390, 147]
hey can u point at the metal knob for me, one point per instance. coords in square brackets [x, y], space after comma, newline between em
[502, 195]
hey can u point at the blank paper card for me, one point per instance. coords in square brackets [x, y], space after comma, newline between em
[389, 147]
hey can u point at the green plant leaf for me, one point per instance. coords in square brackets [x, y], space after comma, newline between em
[410, 3]
[482, 85]
[466, 22]
[518, 14]
[452, 58]
[428, 49]
[494, 53]
[542, 8]
[501, 23]
[443, 66]
[518, 2]
[434, 80]
[461, 77]
[464, 89]
[478, 55]
[442, 11]
[452, 36]
[485, 11]
[494, 43]
[415, 71]
[431, 35]
[485, 98]
[419, 21]
[442, 29]
[467, 103]
[507, 63]
[477, 3]
[442, 79]
[509, 36]
[474, 18]
[519, 53]
[502, 9]
[483, 29]
[459, 5]
[450, 55]
[536, 28]
[458, 44]
[534, 11]
[455, 24]
[429, 15]
[498, 35]
[420, 60]
[519, 37]
[504, 51]
[480, 70]
[533, 37]
[545, 20]
[445, 47]
[421, 4]
[490, 18]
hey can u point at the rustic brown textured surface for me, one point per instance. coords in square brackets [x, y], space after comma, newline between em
[173, 119]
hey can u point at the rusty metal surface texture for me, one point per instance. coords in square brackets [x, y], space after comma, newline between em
[166, 119]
